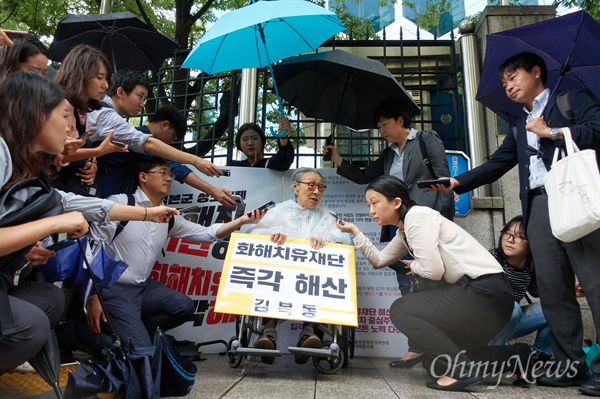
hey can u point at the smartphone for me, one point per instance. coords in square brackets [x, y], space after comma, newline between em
[118, 143]
[335, 216]
[188, 208]
[15, 34]
[268, 205]
[226, 172]
[60, 245]
[328, 141]
[85, 136]
[239, 201]
[429, 183]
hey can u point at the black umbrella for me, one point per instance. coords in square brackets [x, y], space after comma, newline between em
[131, 372]
[47, 363]
[127, 42]
[339, 87]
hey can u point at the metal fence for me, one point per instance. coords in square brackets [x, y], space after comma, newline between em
[428, 69]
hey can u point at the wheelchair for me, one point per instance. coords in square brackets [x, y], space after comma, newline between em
[337, 345]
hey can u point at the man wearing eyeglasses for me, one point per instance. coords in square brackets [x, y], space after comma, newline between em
[301, 217]
[126, 98]
[136, 304]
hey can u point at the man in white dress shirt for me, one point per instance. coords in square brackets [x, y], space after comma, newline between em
[136, 304]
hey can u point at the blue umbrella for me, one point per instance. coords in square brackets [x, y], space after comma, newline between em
[256, 35]
[568, 45]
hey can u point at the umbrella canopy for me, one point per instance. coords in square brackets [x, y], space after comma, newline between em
[339, 87]
[261, 33]
[68, 266]
[127, 42]
[569, 46]
[289, 27]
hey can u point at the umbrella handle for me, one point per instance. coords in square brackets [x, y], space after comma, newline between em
[281, 111]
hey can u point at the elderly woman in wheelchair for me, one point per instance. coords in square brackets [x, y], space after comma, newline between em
[301, 217]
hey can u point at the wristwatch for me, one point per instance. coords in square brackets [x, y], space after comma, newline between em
[554, 132]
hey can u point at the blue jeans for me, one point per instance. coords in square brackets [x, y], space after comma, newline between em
[524, 321]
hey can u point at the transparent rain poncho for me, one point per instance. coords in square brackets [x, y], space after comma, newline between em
[295, 221]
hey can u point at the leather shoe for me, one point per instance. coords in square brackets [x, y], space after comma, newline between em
[592, 386]
[459, 385]
[266, 342]
[307, 341]
[406, 364]
[564, 379]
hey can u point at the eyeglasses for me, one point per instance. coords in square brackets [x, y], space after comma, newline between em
[173, 131]
[508, 236]
[166, 175]
[312, 186]
[142, 98]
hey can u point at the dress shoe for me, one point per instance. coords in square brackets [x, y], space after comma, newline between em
[406, 363]
[563, 379]
[592, 386]
[459, 385]
[307, 341]
[266, 342]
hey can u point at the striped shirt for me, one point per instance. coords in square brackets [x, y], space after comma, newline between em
[521, 281]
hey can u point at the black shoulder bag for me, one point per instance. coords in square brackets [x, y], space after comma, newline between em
[43, 201]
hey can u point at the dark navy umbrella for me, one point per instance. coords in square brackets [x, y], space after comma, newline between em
[127, 42]
[339, 87]
[568, 44]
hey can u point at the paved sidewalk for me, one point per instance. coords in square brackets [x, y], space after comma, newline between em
[364, 378]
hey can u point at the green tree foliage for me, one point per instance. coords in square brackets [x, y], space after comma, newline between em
[40, 17]
[591, 6]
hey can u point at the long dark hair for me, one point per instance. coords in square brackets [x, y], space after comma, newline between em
[391, 187]
[79, 66]
[27, 101]
[522, 233]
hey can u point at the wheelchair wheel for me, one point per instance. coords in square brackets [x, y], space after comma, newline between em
[329, 364]
[233, 359]
[344, 341]
[351, 334]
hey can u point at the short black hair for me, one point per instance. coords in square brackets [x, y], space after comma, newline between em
[250, 126]
[128, 80]
[145, 164]
[393, 108]
[523, 60]
[172, 115]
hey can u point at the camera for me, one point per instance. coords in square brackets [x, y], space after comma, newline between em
[420, 284]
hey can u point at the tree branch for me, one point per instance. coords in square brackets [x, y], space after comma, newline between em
[201, 11]
[144, 14]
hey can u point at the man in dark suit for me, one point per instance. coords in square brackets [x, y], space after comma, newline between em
[538, 133]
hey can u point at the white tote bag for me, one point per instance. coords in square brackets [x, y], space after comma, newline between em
[573, 187]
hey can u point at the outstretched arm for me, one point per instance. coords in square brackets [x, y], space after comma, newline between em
[15, 238]
[229, 227]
